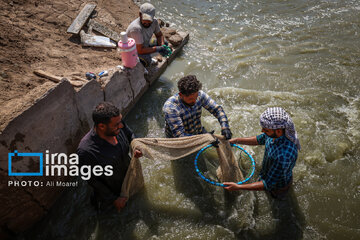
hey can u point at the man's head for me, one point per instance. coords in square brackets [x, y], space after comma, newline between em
[275, 122]
[189, 88]
[107, 119]
[147, 13]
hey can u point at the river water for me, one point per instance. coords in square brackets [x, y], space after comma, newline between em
[301, 55]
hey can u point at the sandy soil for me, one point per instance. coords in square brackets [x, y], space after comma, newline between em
[33, 36]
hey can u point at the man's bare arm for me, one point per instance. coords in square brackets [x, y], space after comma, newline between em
[245, 141]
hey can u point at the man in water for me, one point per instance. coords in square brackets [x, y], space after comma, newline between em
[183, 110]
[107, 144]
[142, 29]
[281, 151]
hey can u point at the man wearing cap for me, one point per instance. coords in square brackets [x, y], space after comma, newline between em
[142, 29]
[281, 151]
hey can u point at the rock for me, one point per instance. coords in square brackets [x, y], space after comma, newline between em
[125, 86]
[168, 32]
[175, 40]
[159, 58]
[161, 23]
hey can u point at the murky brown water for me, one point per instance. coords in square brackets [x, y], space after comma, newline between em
[250, 55]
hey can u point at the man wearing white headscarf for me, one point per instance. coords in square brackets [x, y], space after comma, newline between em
[281, 151]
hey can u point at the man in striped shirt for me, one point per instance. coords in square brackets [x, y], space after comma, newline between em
[183, 110]
[281, 151]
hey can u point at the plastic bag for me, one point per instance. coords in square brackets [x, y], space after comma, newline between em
[96, 41]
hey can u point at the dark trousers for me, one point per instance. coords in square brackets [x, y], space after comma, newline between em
[281, 192]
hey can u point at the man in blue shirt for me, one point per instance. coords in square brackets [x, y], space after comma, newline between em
[281, 151]
[183, 110]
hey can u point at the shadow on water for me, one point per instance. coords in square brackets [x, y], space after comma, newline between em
[73, 217]
[290, 220]
[187, 182]
[214, 203]
[150, 107]
[138, 213]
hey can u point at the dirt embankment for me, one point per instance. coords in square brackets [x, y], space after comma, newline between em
[33, 36]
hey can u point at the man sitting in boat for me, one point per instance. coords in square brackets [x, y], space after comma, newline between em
[142, 29]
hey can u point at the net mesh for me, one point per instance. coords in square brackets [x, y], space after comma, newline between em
[170, 149]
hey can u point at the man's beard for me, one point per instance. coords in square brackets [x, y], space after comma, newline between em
[112, 133]
[146, 26]
[273, 135]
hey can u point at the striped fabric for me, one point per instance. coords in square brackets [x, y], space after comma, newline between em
[182, 120]
[277, 118]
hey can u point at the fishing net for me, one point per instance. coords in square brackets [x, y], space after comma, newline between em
[170, 149]
[209, 168]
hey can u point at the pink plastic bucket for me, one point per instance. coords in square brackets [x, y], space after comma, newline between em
[128, 51]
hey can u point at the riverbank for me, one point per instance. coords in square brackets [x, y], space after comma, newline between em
[34, 37]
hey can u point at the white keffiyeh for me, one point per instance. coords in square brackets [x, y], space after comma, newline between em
[278, 118]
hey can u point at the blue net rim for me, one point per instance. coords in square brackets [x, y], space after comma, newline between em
[218, 183]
